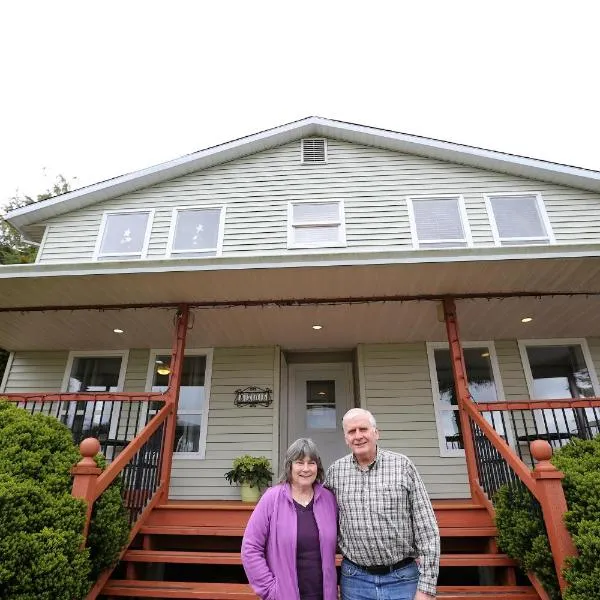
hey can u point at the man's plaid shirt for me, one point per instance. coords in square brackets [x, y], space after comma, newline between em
[385, 514]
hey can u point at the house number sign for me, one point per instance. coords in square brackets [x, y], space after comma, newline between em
[253, 396]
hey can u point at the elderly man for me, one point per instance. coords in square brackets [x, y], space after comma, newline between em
[386, 520]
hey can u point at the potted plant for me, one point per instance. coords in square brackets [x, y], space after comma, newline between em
[252, 473]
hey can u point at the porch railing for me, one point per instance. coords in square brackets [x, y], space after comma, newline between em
[498, 464]
[114, 419]
[555, 421]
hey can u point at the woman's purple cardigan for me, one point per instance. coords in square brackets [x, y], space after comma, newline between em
[269, 544]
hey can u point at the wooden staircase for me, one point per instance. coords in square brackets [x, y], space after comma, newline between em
[192, 550]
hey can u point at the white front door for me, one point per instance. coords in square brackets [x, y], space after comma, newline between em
[319, 395]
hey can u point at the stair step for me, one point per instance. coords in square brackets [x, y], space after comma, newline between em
[236, 591]
[487, 592]
[234, 531]
[234, 558]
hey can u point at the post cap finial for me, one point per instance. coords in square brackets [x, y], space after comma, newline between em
[89, 447]
[541, 450]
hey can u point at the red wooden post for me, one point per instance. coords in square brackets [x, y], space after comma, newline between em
[461, 385]
[172, 395]
[85, 473]
[554, 506]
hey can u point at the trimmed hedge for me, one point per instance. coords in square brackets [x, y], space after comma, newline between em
[524, 538]
[41, 546]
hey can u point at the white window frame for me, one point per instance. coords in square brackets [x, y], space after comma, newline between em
[541, 207]
[435, 388]
[462, 211]
[172, 231]
[123, 354]
[587, 357]
[208, 353]
[340, 224]
[304, 162]
[131, 255]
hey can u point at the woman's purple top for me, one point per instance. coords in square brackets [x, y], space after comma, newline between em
[269, 547]
[308, 554]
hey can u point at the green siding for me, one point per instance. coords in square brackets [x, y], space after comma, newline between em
[373, 183]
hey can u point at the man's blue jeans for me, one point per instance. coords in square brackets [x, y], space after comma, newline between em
[358, 584]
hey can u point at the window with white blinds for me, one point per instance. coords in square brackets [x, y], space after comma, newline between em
[519, 219]
[316, 224]
[439, 222]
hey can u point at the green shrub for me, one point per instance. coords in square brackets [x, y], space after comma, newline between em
[41, 524]
[525, 539]
[109, 527]
[580, 462]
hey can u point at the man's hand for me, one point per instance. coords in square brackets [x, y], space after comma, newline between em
[423, 596]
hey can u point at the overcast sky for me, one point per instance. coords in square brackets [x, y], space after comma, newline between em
[93, 90]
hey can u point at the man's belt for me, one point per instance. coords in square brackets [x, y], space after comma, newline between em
[384, 569]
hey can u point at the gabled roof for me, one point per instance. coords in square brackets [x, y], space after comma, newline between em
[310, 126]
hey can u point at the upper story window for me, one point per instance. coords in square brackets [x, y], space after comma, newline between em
[439, 222]
[124, 234]
[519, 219]
[314, 151]
[316, 224]
[196, 231]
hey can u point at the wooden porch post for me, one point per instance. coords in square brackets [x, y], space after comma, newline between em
[554, 506]
[85, 473]
[459, 370]
[172, 395]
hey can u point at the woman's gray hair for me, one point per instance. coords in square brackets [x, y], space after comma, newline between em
[301, 448]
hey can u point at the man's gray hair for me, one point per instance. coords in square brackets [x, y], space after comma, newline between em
[301, 448]
[359, 412]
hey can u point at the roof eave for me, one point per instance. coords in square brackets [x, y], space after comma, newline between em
[399, 142]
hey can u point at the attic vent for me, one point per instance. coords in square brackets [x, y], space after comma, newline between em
[314, 151]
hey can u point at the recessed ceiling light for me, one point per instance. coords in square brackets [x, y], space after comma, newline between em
[317, 327]
[526, 319]
[159, 362]
[117, 330]
[485, 354]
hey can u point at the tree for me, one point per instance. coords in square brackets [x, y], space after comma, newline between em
[13, 248]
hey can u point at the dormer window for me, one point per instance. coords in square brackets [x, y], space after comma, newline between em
[196, 231]
[124, 234]
[316, 224]
[314, 151]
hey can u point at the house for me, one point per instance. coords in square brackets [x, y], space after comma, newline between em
[307, 269]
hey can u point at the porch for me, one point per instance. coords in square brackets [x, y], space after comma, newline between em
[463, 449]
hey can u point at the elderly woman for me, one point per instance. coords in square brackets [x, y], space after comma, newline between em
[288, 550]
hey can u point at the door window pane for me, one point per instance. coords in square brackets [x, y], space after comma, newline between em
[192, 403]
[482, 387]
[320, 404]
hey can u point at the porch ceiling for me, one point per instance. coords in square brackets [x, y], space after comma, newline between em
[344, 325]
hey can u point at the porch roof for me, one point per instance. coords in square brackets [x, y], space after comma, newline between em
[286, 301]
